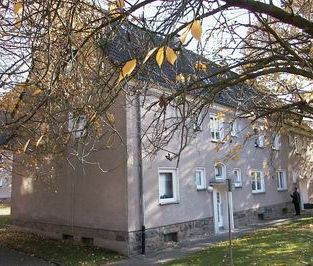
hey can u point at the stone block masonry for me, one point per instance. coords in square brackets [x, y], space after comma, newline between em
[109, 239]
[161, 237]
[129, 243]
[251, 216]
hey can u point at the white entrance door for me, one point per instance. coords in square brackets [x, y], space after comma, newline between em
[219, 205]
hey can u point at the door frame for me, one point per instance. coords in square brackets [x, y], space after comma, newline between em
[222, 190]
[219, 210]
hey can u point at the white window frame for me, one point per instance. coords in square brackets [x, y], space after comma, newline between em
[280, 186]
[298, 145]
[216, 128]
[253, 176]
[234, 128]
[202, 184]
[77, 125]
[223, 176]
[197, 122]
[276, 138]
[174, 173]
[236, 182]
[260, 141]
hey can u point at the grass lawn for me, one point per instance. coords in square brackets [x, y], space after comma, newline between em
[290, 244]
[57, 251]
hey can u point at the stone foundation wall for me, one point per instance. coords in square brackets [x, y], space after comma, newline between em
[113, 240]
[157, 238]
[250, 216]
[129, 243]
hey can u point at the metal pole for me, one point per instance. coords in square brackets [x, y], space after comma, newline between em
[229, 221]
[141, 188]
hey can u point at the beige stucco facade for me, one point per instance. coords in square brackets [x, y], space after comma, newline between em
[110, 205]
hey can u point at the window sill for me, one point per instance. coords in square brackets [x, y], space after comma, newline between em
[259, 147]
[258, 192]
[275, 149]
[217, 141]
[201, 189]
[169, 202]
[238, 186]
[282, 189]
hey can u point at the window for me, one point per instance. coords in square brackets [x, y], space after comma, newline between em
[200, 178]
[1, 182]
[276, 142]
[257, 182]
[77, 125]
[216, 127]
[281, 180]
[168, 185]
[1, 158]
[171, 237]
[237, 177]
[197, 122]
[259, 141]
[234, 128]
[220, 171]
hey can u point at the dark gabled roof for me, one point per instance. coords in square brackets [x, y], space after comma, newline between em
[126, 42]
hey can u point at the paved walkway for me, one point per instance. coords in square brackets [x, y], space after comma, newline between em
[9, 257]
[187, 247]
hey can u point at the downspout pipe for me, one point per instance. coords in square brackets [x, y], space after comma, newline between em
[140, 176]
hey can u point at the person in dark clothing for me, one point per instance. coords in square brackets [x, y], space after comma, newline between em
[296, 200]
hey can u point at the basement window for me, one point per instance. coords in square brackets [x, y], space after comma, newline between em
[171, 237]
[67, 237]
[87, 241]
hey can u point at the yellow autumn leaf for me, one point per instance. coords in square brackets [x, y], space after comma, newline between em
[127, 69]
[18, 23]
[38, 91]
[196, 29]
[170, 55]
[200, 66]
[26, 145]
[308, 97]
[110, 118]
[180, 78]
[149, 54]
[39, 140]
[18, 8]
[114, 10]
[184, 34]
[160, 56]
[120, 3]
[112, 7]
